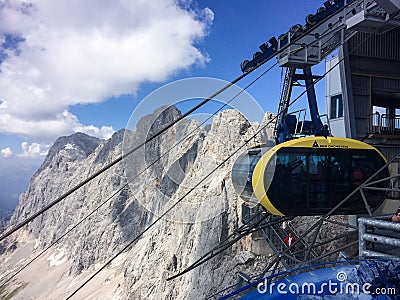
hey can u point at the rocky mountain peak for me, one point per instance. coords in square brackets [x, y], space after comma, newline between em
[109, 145]
[168, 167]
[79, 143]
[153, 123]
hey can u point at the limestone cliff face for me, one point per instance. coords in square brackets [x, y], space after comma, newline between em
[199, 206]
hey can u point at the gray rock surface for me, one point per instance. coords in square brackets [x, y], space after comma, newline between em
[200, 207]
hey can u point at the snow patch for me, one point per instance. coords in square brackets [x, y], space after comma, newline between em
[57, 259]
[36, 245]
[69, 146]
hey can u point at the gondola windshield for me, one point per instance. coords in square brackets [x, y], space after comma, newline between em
[310, 176]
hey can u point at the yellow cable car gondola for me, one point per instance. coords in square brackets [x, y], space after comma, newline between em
[309, 176]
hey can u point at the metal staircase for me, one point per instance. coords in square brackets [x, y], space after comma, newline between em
[273, 232]
[284, 102]
[275, 235]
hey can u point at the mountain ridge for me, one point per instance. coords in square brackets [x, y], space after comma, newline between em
[174, 163]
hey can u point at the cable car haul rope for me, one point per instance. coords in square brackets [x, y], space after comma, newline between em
[315, 173]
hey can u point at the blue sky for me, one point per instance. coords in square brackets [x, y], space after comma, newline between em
[231, 33]
[237, 30]
[66, 67]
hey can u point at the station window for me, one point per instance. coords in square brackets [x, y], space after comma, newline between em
[336, 107]
[377, 112]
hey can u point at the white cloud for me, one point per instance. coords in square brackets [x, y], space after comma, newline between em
[6, 152]
[33, 150]
[49, 129]
[105, 132]
[85, 52]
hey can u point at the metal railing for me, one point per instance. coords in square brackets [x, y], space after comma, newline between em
[378, 238]
[300, 119]
[384, 124]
